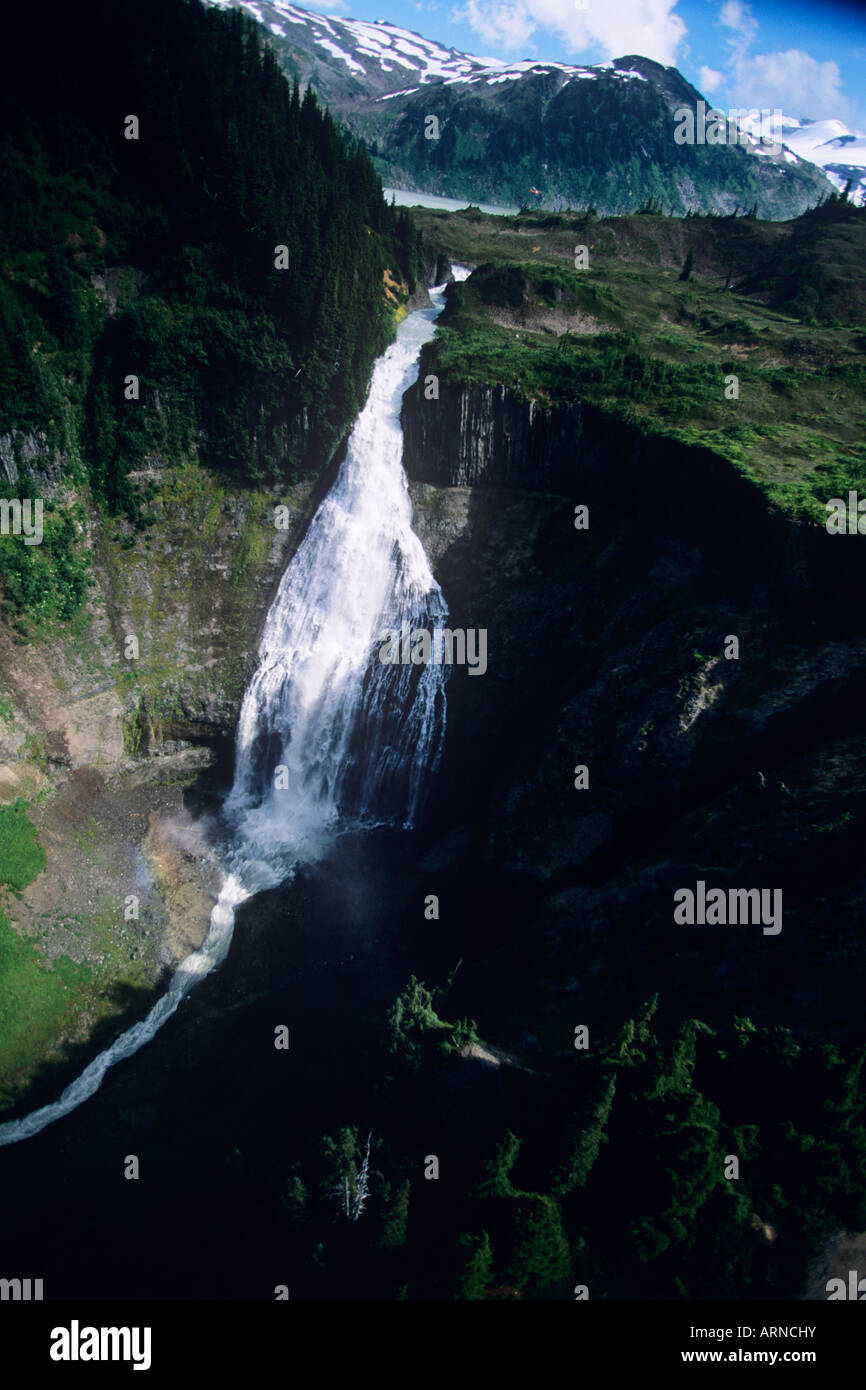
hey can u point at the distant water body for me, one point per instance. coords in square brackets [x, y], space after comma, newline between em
[406, 199]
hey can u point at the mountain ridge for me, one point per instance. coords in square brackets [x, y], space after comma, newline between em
[556, 133]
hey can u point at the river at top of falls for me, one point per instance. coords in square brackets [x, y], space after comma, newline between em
[328, 735]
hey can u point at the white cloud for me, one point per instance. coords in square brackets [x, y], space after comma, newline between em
[649, 27]
[737, 16]
[794, 81]
[499, 22]
[709, 79]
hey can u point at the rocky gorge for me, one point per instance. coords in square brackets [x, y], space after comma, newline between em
[671, 698]
[606, 651]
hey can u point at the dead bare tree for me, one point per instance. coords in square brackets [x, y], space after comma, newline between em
[363, 1189]
[352, 1203]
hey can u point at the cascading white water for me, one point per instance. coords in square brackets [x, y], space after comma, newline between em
[319, 685]
[358, 737]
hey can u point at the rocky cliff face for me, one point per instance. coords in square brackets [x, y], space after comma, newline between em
[610, 648]
[491, 436]
[102, 739]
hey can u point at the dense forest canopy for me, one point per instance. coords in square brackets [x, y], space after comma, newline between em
[157, 256]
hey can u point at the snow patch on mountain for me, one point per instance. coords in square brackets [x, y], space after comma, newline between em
[830, 144]
[349, 40]
[338, 53]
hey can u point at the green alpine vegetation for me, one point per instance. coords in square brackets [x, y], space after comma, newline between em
[21, 856]
[33, 1001]
[658, 316]
[181, 216]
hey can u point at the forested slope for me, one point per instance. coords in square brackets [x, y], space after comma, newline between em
[145, 199]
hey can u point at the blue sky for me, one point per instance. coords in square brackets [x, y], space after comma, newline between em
[807, 58]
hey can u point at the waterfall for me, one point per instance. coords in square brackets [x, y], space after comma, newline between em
[354, 737]
[328, 735]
